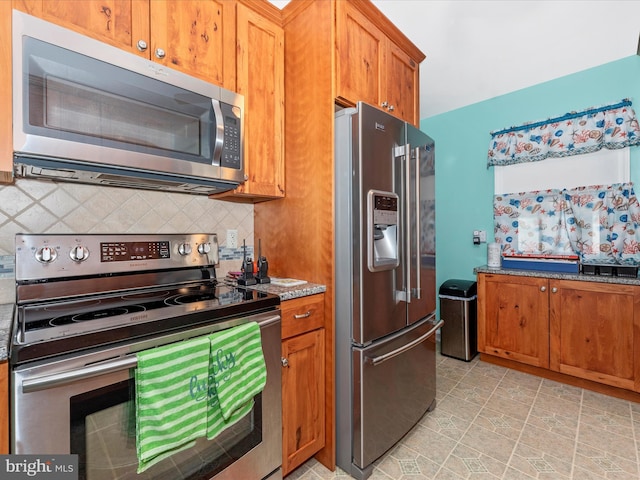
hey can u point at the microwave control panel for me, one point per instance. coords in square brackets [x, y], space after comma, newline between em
[232, 146]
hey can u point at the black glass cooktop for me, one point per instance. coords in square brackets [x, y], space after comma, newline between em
[50, 328]
[55, 314]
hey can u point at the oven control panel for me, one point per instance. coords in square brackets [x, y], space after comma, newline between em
[42, 257]
[128, 251]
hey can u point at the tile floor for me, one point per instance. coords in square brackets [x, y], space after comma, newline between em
[496, 423]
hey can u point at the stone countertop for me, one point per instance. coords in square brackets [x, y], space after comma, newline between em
[560, 276]
[289, 293]
[6, 318]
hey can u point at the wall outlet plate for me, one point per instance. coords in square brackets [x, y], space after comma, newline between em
[479, 236]
[232, 238]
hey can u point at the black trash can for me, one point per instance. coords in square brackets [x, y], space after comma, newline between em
[458, 309]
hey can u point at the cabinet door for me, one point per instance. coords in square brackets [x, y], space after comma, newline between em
[594, 331]
[121, 23]
[402, 82]
[260, 78]
[302, 398]
[195, 37]
[360, 57]
[513, 318]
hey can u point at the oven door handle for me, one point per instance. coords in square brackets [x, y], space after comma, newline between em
[64, 378]
[130, 361]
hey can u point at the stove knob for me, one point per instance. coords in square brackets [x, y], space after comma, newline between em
[79, 253]
[204, 248]
[46, 254]
[184, 249]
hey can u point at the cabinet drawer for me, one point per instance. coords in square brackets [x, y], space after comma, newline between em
[302, 315]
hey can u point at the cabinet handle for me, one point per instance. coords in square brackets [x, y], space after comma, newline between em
[160, 53]
[543, 289]
[285, 362]
[142, 45]
[554, 290]
[302, 315]
[384, 104]
[391, 108]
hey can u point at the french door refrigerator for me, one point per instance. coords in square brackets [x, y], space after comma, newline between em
[385, 285]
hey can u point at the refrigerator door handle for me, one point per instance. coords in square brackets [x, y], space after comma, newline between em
[407, 227]
[418, 290]
[398, 351]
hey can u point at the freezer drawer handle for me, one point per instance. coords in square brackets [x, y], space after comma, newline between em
[387, 356]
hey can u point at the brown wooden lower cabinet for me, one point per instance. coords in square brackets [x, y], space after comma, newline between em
[303, 380]
[589, 330]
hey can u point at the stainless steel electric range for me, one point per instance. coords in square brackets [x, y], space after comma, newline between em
[85, 305]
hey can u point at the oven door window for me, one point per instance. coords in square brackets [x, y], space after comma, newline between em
[103, 434]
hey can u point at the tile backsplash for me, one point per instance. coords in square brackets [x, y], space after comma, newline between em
[34, 206]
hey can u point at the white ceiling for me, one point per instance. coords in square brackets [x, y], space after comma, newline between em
[480, 49]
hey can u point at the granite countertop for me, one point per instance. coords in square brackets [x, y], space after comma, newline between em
[6, 317]
[559, 276]
[289, 293]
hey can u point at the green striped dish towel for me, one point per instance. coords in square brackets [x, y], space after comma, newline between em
[171, 399]
[238, 371]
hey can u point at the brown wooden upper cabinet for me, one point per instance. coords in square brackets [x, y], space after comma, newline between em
[260, 78]
[192, 36]
[371, 66]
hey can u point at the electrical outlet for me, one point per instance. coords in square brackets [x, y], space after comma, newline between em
[479, 236]
[232, 238]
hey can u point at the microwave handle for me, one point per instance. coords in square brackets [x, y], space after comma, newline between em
[218, 137]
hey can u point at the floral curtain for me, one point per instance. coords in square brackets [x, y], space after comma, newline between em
[612, 126]
[599, 223]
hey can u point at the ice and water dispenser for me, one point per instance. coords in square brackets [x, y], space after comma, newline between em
[382, 231]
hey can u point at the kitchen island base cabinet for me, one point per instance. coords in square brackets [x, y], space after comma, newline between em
[583, 329]
[303, 374]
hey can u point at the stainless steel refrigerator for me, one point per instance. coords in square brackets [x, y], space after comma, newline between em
[385, 284]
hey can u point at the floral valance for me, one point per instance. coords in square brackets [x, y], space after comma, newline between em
[612, 126]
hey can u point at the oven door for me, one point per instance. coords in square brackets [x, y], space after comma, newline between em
[85, 405]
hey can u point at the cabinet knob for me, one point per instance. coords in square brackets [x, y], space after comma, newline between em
[543, 289]
[384, 104]
[554, 290]
[284, 361]
[142, 45]
[391, 108]
[160, 53]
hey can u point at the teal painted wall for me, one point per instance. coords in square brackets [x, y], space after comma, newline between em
[464, 184]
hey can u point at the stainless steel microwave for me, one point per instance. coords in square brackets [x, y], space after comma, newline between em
[84, 111]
